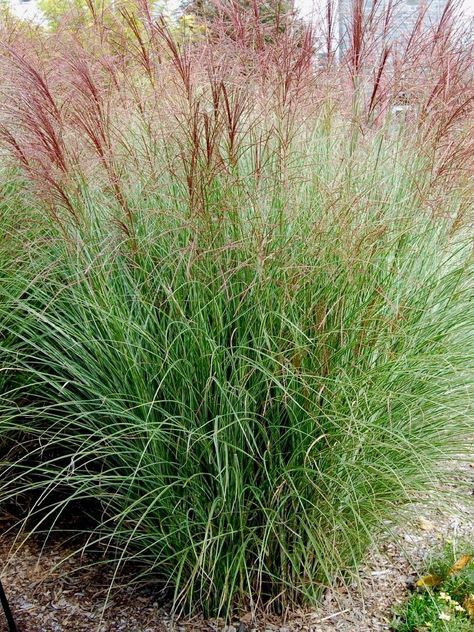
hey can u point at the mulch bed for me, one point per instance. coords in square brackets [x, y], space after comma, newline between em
[46, 596]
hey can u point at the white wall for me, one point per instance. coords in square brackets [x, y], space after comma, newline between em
[27, 9]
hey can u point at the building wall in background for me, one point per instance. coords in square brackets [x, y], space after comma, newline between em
[406, 13]
[27, 9]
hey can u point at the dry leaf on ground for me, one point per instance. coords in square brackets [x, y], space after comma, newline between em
[459, 564]
[424, 524]
[469, 605]
[428, 581]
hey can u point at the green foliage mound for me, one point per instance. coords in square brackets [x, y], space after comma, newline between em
[247, 405]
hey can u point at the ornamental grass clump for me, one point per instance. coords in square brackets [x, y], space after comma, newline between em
[242, 337]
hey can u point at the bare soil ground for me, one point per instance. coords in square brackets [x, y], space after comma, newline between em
[48, 598]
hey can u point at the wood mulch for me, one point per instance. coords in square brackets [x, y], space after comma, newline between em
[46, 596]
